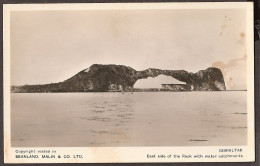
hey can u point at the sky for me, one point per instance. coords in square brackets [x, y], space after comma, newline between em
[52, 46]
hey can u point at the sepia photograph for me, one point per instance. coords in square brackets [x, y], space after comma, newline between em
[129, 75]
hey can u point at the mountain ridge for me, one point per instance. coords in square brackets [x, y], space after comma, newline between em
[105, 78]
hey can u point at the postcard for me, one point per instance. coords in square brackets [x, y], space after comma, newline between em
[128, 82]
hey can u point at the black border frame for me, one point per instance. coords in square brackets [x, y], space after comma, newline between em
[256, 75]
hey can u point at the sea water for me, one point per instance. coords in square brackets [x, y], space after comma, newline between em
[128, 119]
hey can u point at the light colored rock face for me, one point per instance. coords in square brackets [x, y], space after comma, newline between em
[87, 70]
[219, 85]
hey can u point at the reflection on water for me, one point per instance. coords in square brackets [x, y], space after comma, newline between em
[138, 119]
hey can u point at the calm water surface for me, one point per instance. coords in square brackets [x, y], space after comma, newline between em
[138, 119]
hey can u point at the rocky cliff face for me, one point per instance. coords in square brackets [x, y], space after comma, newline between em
[103, 78]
